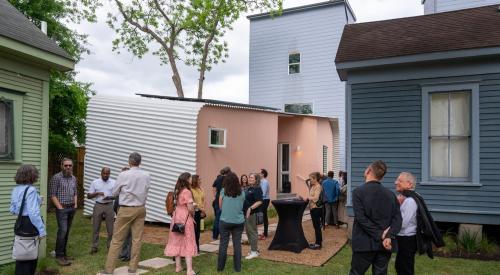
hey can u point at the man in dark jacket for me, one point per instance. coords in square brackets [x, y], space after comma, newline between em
[377, 220]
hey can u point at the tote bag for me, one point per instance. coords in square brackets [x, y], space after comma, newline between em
[26, 239]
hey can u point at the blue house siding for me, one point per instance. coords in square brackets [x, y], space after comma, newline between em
[386, 124]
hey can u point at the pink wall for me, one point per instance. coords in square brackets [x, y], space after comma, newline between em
[251, 144]
[310, 134]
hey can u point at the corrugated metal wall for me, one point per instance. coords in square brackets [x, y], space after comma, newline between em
[162, 131]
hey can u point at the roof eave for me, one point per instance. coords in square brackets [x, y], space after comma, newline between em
[37, 55]
[303, 8]
[344, 67]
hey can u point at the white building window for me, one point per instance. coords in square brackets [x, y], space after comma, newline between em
[299, 108]
[450, 134]
[217, 137]
[293, 63]
[6, 130]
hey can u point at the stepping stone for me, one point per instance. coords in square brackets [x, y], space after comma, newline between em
[124, 271]
[215, 242]
[210, 248]
[244, 238]
[156, 263]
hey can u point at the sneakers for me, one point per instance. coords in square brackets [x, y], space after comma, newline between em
[252, 254]
[62, 261]
[93, 250]
[314, 246]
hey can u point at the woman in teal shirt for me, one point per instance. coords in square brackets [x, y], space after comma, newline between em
[232, 220]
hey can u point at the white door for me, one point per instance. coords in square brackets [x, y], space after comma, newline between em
[284, 160]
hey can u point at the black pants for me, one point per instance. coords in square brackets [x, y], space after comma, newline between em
[361, 261]
[197, 227]
[215, 227]
[235, 230]
[316, 214]
[64, 219]
[265, 205]
[405, 259]
[26, 267]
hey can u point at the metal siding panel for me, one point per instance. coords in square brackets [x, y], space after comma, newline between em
[315, 34]
[162, 131]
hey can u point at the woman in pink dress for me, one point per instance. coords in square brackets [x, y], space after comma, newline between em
[183, 245]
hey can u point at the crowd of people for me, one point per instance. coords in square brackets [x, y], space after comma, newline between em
[383, 222]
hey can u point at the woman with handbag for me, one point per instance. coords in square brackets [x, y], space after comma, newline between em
[199, 207]
[232, 221]
[181, 238]
[29, 227]
[253, 201]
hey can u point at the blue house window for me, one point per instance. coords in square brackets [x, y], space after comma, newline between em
[450, 134]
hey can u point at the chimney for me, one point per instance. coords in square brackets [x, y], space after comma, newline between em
[43, 27]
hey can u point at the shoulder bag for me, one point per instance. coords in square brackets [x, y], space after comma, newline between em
[26, 239]
[180, 227]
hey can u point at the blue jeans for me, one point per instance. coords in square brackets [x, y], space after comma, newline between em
[215, 227]
[64, 220]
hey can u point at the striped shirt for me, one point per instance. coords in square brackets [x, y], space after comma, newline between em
[63, 188]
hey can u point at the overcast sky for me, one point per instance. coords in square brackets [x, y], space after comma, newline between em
[124, 74]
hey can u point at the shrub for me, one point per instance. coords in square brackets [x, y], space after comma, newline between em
[487, 246]
[468, 242]
[450, 243]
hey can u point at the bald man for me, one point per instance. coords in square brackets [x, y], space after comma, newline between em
[100, 191]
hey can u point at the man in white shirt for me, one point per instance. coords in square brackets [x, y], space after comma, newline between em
[407, 240]
[100, 191]
[132, 186]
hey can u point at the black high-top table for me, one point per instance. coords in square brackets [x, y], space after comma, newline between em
[289, 234]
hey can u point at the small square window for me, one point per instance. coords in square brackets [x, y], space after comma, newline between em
[217, 137]
[6, 130]
[294, 63]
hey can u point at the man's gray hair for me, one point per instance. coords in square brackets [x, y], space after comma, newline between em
[66, 159]
[134, 159]
[410, 177]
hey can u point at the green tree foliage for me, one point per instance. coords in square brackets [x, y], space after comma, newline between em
[68, 97]
[190, 31]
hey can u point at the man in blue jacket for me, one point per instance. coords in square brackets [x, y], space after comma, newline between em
[331, 188]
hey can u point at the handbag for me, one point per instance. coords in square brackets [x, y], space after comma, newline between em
[26, 239]
[180, 227]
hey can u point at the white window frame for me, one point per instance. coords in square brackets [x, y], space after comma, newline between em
[210, 129]
[473, 88]
[289, 64]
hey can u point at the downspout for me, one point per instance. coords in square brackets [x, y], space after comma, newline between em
[345, 10]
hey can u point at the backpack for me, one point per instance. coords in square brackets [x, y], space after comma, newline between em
[170, 203]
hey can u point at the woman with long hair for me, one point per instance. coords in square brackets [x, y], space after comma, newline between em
[199, 207]
[244, 182]
[253, 201]
[25, 178]
[183, 244]
[232, 221]
[316, 208]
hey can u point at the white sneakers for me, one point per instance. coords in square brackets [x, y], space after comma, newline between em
[252, 254]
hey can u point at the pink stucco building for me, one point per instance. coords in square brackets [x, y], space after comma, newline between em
[201, 137]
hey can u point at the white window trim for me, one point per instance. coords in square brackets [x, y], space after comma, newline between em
[473, 88]
[298, 63]
[210, 140]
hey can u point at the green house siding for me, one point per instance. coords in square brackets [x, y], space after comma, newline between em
[33, 92]
[386, 123]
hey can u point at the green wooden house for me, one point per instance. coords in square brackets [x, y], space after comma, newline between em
[26, 57]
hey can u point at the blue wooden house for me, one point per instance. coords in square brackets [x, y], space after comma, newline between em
[423, 94]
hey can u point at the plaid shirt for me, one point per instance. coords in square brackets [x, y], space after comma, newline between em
[63, 188]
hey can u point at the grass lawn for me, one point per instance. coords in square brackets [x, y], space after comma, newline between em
[80, 239]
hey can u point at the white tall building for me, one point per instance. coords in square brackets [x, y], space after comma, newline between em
[434, 6]
[292, 62]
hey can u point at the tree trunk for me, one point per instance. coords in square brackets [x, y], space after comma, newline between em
[175, 73]
[203, 65]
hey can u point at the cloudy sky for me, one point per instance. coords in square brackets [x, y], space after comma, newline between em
[124, 75]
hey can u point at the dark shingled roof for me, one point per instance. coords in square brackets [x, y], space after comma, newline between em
[448, 31]
[14, 25]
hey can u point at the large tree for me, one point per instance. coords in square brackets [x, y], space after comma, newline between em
[191, 31]
[68, 97]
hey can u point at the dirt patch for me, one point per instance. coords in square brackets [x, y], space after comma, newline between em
[333, 240]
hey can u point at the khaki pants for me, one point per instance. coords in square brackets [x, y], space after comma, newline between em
[129, 218]
[251, 229]
[101, 210]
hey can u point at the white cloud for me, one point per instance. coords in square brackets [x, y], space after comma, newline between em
[124, 74]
